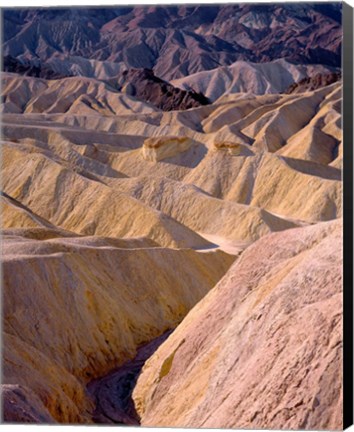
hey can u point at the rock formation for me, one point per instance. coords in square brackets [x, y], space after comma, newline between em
[156, 149]
[263, 348]
[178, 40]
[144, 85]
[314, 82]
[28, 68]
[90, 303]
[171, 216]
[277, 76]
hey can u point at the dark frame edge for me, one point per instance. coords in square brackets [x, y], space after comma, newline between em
[347, 65]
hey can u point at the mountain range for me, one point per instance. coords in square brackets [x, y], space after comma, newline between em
[172, 216]
[176, 41]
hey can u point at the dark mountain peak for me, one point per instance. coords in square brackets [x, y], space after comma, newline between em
[141, 74]
[30, 68]
[314, 82]
[144, 85]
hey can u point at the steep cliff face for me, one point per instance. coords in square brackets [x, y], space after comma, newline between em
[263, 349]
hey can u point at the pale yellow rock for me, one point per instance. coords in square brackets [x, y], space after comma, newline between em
[234, 148]
[263, 349]
[311, 144]
[14, 215]
[289, 188]
[273, 129]
[103, 193]
[201, 212]
[77, 203]
[318, 141]
[267, 121]
[76, 307]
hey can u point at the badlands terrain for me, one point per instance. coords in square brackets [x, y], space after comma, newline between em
[171, 231]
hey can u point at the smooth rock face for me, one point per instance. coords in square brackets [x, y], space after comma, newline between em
[263, 349]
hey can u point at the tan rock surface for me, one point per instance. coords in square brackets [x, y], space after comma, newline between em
[201, 212]
[263, 349]
[243, 77]
[242, 182]
[95, 260]
[156, 149]
[77, 203]
[319, 140]
[73, 95]
[290, 188]
[76, 307]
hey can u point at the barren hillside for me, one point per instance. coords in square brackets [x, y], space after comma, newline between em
[171, 216]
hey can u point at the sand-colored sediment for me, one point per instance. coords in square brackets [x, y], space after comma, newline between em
[76, 307]
[115, 217]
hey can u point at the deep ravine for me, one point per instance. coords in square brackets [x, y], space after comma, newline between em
[112, 393]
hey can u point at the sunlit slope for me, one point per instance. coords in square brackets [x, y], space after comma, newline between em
[263, 349]
[74, 202]
[114, 215]
[76, 307]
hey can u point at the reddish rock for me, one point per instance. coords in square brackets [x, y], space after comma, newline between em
[144, 85]
[314, 82]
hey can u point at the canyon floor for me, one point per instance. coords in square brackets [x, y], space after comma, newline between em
[171, 268]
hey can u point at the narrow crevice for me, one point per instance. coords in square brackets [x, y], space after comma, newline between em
[112, 393]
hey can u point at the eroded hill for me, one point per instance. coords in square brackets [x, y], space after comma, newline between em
[120, 219]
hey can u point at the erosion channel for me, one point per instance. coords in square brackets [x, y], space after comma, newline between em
[112, 392]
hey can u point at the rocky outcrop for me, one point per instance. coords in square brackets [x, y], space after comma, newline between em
[156, 149]
[263, 349]
[314, 82]
[31, 68]
[144, 85]
[233, 148]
